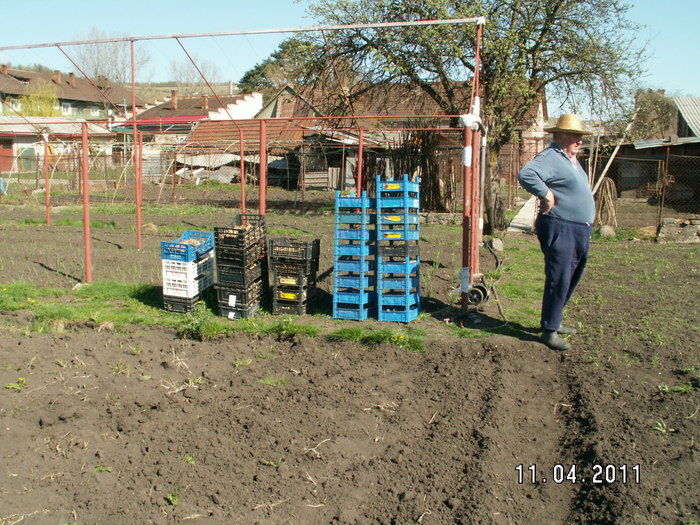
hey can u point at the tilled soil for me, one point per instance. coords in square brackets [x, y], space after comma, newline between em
[141, 426]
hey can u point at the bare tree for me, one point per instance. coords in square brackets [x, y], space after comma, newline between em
[111, 60]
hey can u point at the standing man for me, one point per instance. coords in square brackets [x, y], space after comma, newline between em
[564, 224]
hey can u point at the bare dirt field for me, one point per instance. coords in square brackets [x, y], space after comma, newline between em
[138, 425]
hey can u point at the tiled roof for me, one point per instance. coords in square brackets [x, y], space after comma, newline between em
[191, 107]
[68, 87]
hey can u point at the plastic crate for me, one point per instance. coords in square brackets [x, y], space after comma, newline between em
[398, 217]
[399, 313]
[245, 230]
[192, 245]
[292, 279]
[236, 275]
[389, 248]
[398, 235]
[407, 266]
[236, 297]
[285, 248]
[352, 201]
[398, 282]
[181, 305]
[355, 248]
[285, 307]
[358, 312]
[240, 312]
[291, 266]
[187, 271]
[240, 256]
[349, 263]
[187, 288]
[293, 295]
[401, 185]
[354, 280]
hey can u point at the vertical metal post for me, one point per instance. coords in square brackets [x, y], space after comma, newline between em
[360, 153]
[467, 180]
[138, 137]
[135, 150]
[240, 140]
[47, 191]
[475, 208]
[86, 204]
[263, 166]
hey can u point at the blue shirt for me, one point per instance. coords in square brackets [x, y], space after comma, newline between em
[553, 169]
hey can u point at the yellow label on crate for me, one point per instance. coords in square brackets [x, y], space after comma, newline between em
[290, 296]
[392, 186]
[393, 235]
[288, 280]
[394, 218]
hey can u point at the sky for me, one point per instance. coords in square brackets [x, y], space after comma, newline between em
[670, 28]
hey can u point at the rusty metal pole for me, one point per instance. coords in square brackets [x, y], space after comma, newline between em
[47, 191]
[139, 189]
[263, 167]
[360, 153]
[475, 208]
[86, 204]
[467, 180]
[240, 140]
[135, 149]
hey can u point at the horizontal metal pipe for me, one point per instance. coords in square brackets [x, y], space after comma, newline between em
[480, 20]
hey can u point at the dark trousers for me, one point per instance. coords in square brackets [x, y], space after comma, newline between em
[565, 248]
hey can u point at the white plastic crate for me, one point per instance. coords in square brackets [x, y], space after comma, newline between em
[189, 288]
[187, 271]
[187, 279]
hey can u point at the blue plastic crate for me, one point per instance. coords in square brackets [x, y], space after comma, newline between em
[359, 281]
[398, 235]
[356, 312]
[353, 201]
[398, 202]
[359, 250]
[400, 299]
[401, 185]
[190, 247]
[397, 217]
[411, 266]
[354, 264]
[354, 296]
[359, 234]
[399, 314]
[398, 283]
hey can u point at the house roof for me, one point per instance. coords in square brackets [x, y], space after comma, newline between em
[188, 108]
[657, 143]
[69, 87]
[54, 126]
[689, 108]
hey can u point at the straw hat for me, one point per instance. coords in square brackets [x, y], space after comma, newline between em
[569, 123]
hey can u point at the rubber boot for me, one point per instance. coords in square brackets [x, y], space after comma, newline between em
[553, 341]
[565, 330]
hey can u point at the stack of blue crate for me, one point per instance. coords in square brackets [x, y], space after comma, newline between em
[188, 270]
[354, 278]
[398, 256]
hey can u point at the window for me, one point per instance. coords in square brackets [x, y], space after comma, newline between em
[66, 108]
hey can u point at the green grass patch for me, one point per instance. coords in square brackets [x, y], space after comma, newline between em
[410, 338]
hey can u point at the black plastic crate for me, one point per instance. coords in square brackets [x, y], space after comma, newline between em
[293, 295]
[236, 296]
[241, 256]
[180, 305]
[245, 230]
[236, 275]
[285, 248]
[291, 266]
[292, 279]
[289, 308]
[240, 312]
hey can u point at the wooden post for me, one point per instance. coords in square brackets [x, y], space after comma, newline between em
[86, 204]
